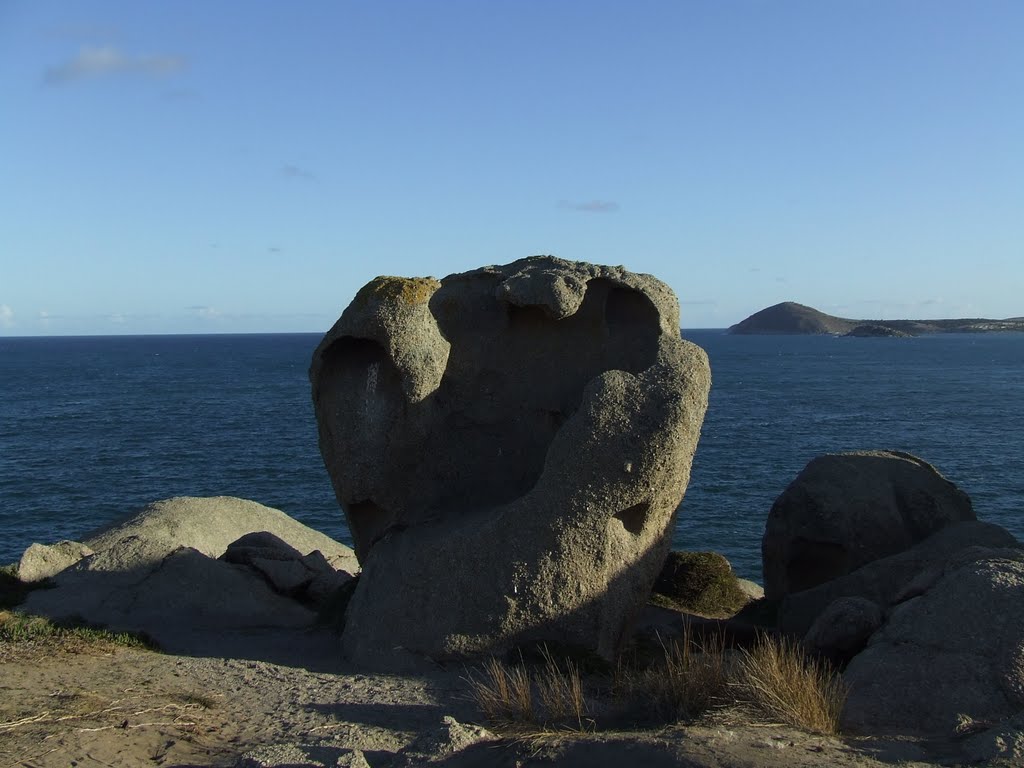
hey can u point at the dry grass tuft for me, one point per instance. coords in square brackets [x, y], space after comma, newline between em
[784, 683]
[561, 693]
[505, 693]
[691, 678]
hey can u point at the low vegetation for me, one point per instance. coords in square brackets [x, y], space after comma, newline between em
[701, 583]
[549, 694]
[689, 679]
[19, 628]
[787, 685]
[775, 681]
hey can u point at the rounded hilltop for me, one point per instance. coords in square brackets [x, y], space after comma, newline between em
[790, 317]
[799, 319]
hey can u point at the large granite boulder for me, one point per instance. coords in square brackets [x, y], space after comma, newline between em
[847, 509]
[953, 653]
[510, 446]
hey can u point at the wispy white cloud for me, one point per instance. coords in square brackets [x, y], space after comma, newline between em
[590, 206]
[297, 173]
[205, 313]
[105, 61]
[6, 316]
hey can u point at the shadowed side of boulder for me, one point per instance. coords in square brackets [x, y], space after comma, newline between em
[847, 509]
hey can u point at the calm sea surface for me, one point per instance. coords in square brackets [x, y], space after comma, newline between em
[92, 428]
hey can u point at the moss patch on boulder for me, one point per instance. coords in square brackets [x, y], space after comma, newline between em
[406, 290]
[702, 583]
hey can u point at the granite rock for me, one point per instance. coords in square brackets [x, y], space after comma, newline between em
[846, 509]
[510, 446]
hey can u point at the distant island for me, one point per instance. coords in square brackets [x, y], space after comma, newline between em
[792, 318]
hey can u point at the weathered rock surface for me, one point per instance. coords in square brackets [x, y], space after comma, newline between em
[847, 509]
[41, 561]
[843, 628]
[956, 651]
[436, 746]
[302, 756]
[208, 525]
[509, 446]
[1001, 744]
[308, 577]
[146, 576]
[898, 577]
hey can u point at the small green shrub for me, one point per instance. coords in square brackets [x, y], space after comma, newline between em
[701, 583]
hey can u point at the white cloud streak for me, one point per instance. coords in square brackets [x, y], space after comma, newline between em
[205, 313]
[106, 61]
[6, 316]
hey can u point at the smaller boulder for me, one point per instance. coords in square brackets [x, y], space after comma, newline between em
[842, 630]
[42, 561]
[1003, 743]
[310, 578]
[885, 581]
[845, 510]
[208, 525]
[325, 585]
[954, 653]
[701, 583]
[259, 544]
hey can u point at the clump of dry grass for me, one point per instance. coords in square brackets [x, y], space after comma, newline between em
[503, 692]
[690, 679]
[775, 680]
[778, 678]
[561, 693]
[506, 693]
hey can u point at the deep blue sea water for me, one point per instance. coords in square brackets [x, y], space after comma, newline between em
[92, 428]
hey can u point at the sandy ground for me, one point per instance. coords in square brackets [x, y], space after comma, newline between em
[77, 704]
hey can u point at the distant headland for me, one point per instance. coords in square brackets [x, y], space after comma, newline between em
[792, 318]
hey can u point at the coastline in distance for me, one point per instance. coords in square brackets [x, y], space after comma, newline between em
[792, 318]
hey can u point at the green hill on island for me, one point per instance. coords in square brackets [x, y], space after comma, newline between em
[792, 318]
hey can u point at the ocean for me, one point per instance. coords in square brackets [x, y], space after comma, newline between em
[92, 428]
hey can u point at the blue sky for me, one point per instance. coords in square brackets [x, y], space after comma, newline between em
[232, 167]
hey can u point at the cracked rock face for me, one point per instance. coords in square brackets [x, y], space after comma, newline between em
[510, 446]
